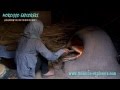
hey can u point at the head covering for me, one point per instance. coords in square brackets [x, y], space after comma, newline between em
[34, 29]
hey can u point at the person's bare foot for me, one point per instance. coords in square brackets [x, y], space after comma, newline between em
[49, 73]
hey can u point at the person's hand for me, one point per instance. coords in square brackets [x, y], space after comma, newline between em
[66, 51]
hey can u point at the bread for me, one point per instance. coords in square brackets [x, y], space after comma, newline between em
[2, 70]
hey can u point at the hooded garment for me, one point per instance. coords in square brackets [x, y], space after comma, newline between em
[29, 46]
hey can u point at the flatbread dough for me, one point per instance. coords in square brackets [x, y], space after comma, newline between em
[2, 70]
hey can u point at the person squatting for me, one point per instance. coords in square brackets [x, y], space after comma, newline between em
[31, 50]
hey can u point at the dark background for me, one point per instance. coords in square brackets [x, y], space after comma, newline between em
[103, 14]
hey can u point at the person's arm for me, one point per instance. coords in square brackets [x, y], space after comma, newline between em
[42, 49]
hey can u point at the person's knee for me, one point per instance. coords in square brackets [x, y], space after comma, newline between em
[25, 76]
[26, 73]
